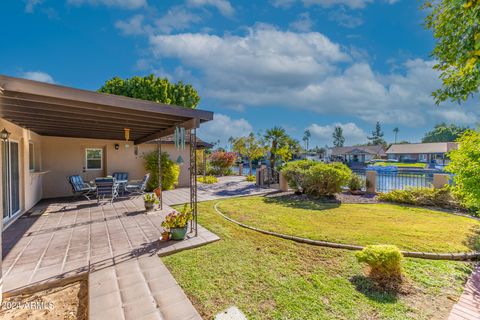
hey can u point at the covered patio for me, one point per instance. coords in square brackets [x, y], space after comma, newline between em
[116, 244]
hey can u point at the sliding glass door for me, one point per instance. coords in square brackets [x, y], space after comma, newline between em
[10, 179]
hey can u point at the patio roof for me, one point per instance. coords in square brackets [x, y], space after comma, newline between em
[53, 110]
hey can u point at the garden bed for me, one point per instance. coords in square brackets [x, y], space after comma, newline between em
[61, 302]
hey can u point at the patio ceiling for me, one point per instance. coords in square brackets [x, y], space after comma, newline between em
[53, 110]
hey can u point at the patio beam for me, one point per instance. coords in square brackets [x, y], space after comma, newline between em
[190, 124]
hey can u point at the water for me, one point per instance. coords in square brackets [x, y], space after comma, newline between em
[400, 181]
[246, 170]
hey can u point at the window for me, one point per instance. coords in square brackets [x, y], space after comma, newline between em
[93, 158]
[31, 156]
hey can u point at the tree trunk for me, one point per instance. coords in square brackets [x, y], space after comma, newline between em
[250, 164]
[272, 155]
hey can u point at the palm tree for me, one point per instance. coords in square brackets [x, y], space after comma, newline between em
[277, 138]
[306, 138]
[395, 130]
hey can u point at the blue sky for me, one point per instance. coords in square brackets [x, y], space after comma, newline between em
[293, 63]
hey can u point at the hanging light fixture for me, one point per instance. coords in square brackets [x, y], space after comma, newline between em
[180, 161]
[4, 134]
[126, 133]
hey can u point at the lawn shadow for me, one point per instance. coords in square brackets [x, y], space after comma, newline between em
[303, 202]
[473, 240]
[367, 287]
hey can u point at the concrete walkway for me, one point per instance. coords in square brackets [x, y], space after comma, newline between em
[227, 187]
[468, 306]
[116, 244]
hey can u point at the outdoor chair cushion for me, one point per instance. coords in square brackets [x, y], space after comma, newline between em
[120, 175]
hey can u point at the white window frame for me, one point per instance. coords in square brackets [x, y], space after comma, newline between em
[86, 159]
[31, 166]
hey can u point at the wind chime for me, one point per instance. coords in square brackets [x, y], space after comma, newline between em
[126, 133]
[179, 138]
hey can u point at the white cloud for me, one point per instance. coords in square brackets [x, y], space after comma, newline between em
[133, 26]
[352, 4]
[322, 135]
[222, 127]
[224, 6]
[176, 18]
[457, 116]
[303, 24]
[31, 4]
[126, 4]
[37, 76]
[311, 73]
[344, 19]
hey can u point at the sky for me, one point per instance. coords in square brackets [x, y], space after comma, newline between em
[298, 64]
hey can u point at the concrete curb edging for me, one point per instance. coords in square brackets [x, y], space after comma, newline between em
[462, 256]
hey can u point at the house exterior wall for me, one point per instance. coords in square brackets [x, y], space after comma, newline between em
[63, 157]
[30, 182]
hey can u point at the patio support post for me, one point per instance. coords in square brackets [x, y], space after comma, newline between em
[159, 161]
[193, 180]
[204, 164]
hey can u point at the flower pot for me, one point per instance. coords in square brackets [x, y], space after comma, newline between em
[179, 233]
[149, 206]
[157, 192]
[165, 236]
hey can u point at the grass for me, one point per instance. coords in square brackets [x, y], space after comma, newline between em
[271, 278]
[400, 164]
[414, 229]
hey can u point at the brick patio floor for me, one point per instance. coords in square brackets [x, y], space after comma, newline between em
[116, 244]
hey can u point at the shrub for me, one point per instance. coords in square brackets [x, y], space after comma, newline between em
[384, 262]
[356, 183]
[251, 178]
[465, 164]
[442, 198]
[177, 219]
[207, 179]
[222, 162]
[316, 178]
[170, 171]
[295, 172]
[326, 179]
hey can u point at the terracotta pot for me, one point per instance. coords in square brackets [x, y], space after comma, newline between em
[157, 191]
[165, 236]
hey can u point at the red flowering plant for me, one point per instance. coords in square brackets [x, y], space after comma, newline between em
[222, 161]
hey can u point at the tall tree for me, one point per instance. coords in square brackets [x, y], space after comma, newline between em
[338, 138]
[454, 24]
[444, 133]
[395, 131]
[376, 138]
[278, 144]
[154, 89]
[306, 138]
[250, 147]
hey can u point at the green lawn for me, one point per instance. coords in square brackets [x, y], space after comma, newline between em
[414, 229]
[271, 278]
[400, 164]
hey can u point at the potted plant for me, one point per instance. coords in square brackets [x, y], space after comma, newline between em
[177, 223]
[150, 200]
[166, 234]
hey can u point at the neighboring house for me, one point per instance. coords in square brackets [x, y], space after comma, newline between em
[422, 152]
[58, 131]
[356, 154]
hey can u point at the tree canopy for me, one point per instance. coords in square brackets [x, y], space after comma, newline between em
[250, 147]
[338, 138]
[444, 133]
[154, 89]
[376, 138]
[454, 24]
[281, 146]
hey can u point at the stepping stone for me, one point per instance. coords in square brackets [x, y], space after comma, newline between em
[232, 313]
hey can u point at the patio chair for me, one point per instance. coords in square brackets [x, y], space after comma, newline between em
[106, 187]
[122, 179]
[138, 187]
[79, 187]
